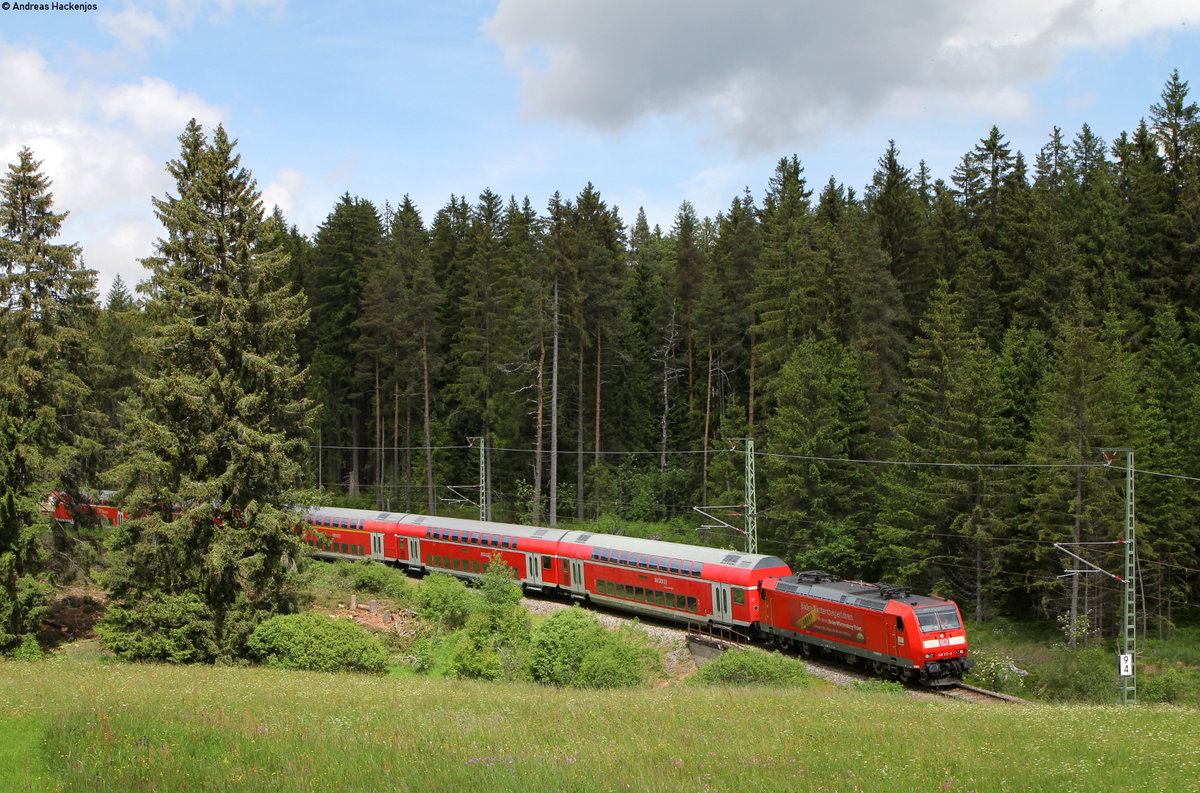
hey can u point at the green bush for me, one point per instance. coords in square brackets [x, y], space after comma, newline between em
[315, 642]
[612, 665]
[379, 579]
[474, 655]
[558, 646]
[177, 629]
[445, 600]
[754, 667]
[572, 649]
[1171, 686]
[499, 588]
[363, 576]
[28, 649]
[1088, 675]
[995, 672]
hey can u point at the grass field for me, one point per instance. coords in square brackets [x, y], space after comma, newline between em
[70, 724]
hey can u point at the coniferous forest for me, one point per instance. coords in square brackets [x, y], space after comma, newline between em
[934, 370]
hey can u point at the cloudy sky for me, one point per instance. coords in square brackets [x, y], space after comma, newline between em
[653, 101]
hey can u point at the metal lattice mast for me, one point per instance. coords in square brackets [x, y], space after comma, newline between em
[485, 497]
[1129, 681]
[751, 500]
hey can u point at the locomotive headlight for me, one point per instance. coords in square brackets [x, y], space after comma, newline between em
[928, 655]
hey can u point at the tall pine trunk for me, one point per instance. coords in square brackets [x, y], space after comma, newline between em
[397, 474]
[428, 421]
[539, 432]
[708, 386]
[355, 448]
[579, 414]
[1077, 530]
[554, 417]
[596, 448]
[379, 459]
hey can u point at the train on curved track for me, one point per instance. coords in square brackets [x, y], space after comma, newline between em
[897, 633]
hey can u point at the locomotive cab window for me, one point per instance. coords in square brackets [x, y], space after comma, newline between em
[938, 619]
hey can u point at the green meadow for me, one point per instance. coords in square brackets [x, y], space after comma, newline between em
[77, 724]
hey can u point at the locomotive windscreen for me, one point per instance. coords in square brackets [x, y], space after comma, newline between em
[942, 618]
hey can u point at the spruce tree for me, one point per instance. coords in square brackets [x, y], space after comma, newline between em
[350, 237]
[783, 291]
[210, 470]
[400, 335]
[937, 524]
[818, 505]
[44, 292]
[896, 208]
[1087, 402]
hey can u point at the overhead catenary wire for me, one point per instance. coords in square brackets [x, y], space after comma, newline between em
[773, 455]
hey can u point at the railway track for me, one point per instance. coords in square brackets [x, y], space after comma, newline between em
[980, 696]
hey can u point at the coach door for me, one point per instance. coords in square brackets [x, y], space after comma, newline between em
[376, 545]
[573, 576]
[533, 569]
[414, 552]
[722, 612]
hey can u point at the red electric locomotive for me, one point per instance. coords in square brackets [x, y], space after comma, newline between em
[897, 633]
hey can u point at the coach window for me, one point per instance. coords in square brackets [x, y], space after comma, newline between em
[660, 598]
[739, 597]
[624, 557]
[595, 554]
[547, 563]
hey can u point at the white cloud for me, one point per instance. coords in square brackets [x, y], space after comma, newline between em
[29, 91]
[103, 146]
[155, 106]
[133, 27]
[287, 191]
[782, 72]
[136, 25]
